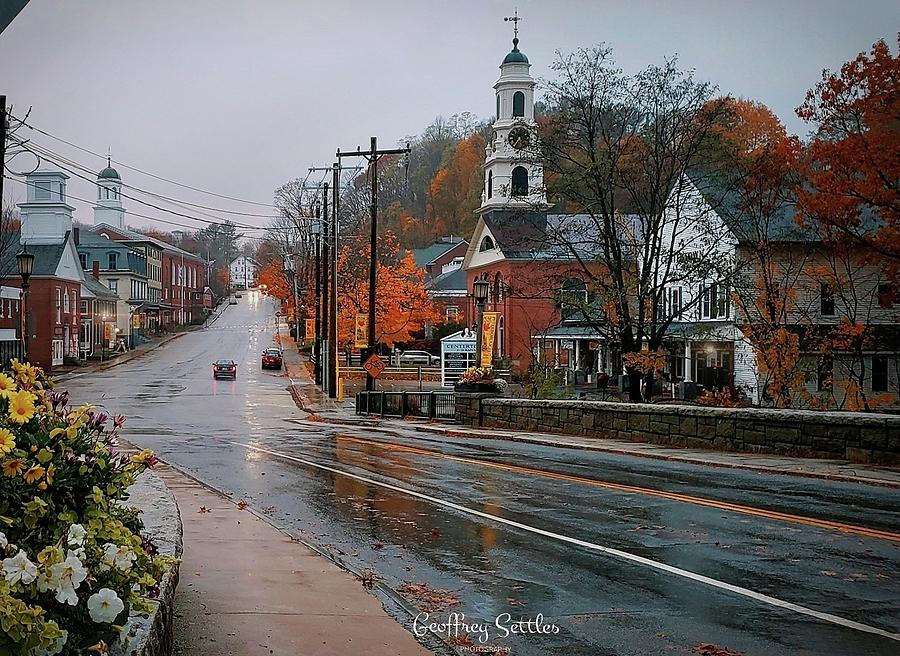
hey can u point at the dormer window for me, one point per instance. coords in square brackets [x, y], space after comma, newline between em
[487, 244]
[113, 261]
[518, 104]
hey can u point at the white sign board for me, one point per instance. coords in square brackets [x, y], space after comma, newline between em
[457, 355]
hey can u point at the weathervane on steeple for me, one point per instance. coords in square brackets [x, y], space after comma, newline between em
[515, 21]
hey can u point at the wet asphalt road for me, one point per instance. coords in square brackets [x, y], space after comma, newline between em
[619, 571]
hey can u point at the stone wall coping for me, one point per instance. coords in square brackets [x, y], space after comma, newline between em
[804, 416]
[152, 636]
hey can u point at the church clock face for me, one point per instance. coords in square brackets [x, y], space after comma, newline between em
[519, 137]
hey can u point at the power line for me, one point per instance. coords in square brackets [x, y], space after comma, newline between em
[147, 173]
[42, 152]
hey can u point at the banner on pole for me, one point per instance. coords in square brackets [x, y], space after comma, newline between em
[361, 331]
[488, 331]
[310, 333]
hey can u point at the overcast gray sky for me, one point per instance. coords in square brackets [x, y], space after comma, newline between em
[240, 96]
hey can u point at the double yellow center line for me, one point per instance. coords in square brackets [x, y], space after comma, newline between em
[636, 489]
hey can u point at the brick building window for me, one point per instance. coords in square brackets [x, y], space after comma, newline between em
[58, 305]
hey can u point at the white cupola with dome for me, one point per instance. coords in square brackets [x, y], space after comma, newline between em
[513, 174]
[109, 209]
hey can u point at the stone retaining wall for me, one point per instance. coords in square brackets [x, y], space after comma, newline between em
[863, 438]
[154, 635]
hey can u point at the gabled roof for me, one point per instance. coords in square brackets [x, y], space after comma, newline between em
[133, 235]
[89, 239]
[427, 255]
[46, 256]
[452, 280]
[97, 289]
[721, 190]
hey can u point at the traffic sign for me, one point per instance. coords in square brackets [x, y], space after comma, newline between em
[374, 365]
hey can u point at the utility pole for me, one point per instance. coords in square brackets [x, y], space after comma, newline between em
[328, 377]
[333, 364]
[2, 146]
[326, 355]
[372, 157]
[317, 347]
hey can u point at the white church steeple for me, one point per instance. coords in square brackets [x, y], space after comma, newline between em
[513, 175]
[109, 209]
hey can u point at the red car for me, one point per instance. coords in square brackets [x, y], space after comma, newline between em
[271, 359]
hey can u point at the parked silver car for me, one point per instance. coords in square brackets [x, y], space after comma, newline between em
[419, 358]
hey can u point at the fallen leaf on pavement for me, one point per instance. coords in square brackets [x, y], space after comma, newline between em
[435, 532]
[709, 649]
[430, 600]
[203, 509]
[242, 504]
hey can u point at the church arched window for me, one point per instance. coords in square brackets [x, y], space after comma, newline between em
[490, 184]
[519, 181]
[518, 104]
[498, 105]
[487, 244]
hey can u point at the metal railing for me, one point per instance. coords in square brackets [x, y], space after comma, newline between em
[428, 405]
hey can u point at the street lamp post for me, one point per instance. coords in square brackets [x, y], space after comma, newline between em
[25, 265]
[480, 290]
[103, 340]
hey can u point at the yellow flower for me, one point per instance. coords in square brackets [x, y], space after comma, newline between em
[51, 472]
[42, 486]
[7, 386]
[7, 441]
[34, 474]
[14, 467]
[21, 407]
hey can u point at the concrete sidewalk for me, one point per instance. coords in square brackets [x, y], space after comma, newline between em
[247, 588]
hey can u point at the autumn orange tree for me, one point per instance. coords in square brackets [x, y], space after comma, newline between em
[852, 164]
[274, 277]
[402, 304]
[455, 190]
[757, 173]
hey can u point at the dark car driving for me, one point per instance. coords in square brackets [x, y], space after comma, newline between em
[225, 369]
[271, 358]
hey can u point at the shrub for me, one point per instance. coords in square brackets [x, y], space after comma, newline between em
[73, 563]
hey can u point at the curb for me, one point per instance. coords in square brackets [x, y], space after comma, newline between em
[154, 635]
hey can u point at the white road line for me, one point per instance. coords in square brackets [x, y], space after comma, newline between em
[677, 571]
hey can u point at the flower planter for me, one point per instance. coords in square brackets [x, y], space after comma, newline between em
[477, 387]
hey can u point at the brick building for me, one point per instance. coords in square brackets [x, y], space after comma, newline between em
[54, 296]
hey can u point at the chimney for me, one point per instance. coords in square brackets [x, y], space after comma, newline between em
[95, 270]
[76, 235]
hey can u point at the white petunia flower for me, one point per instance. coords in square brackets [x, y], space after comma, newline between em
[67, 576]
[3, 540]
[76, 535]
[121, 558]
[19, 568]
[105, 606]
[78, 553]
